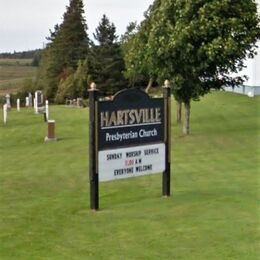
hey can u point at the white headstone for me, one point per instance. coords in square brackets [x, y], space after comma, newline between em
[39, 102]
[30, 103]
[35, 104]
[8, 102]
[47, 109]
[5, 113]
[18, 104]
[27, 103]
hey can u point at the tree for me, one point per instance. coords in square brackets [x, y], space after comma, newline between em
[68, 44]
[198, 44]
[106, 59]
[74, 84]
[138, 66]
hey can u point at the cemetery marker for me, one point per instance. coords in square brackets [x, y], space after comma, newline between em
[51, 132]
[5, 113]
[27, 101]
[30, 103]
[8, 101]
[47, 109]
[18, 104]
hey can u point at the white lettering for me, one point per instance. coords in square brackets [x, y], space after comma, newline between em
[149, 133]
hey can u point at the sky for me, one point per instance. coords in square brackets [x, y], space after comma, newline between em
[24, 24]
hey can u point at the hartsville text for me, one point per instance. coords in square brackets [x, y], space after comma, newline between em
[130, 117]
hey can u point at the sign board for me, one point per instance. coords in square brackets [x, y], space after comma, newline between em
[129, 137]
[131, 118]
[131, 162]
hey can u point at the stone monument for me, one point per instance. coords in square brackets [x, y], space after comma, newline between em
[27, 102]
[8, 101]
[18, 104]
[30, 100]
[5, 113]
[51, 132]
[39, 102]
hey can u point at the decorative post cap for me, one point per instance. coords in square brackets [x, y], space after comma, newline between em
[93, 86]
[167, 84]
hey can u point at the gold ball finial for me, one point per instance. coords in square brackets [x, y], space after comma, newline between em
[93, 86]
[167, 84]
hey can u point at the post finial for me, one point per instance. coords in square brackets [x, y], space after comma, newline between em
[93, 86]
[167, 84]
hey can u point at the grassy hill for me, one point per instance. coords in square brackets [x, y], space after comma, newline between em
[13, 72]
[213, 212]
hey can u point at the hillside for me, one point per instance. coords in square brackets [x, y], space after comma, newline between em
[13, 72]
[212, 213]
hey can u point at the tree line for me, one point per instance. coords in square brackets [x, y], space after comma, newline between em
[71, 61]
[19, 55]
[196, 44]
[34, 55]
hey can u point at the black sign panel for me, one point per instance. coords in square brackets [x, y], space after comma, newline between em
[131, 118]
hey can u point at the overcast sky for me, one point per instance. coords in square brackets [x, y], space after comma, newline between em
[24, 24]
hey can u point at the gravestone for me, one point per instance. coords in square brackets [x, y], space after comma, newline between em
[5, 113]
[47, 109]
[8, 101]
[30, 100]
[18, 104]
[34, 104]
[39, 102]
[27, 104]
[79, 102]
[51, 132]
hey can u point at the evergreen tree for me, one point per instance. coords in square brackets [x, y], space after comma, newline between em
[68, 44]
[107, 64]
[75, 83]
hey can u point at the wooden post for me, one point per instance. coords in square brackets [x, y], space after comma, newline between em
[93, 150]
[166, 181]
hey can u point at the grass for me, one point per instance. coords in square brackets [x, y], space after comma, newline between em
[13, 72]
[213, 212]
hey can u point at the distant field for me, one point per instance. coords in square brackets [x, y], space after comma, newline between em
[213, 213]
[11, 62]
[13, 72]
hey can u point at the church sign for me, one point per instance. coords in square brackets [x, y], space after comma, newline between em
[129, 137]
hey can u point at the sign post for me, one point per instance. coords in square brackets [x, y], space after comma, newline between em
[167, 128]
[93, 144]
[129, 136]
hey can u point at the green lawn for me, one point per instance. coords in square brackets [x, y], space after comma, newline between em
[213, 212]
